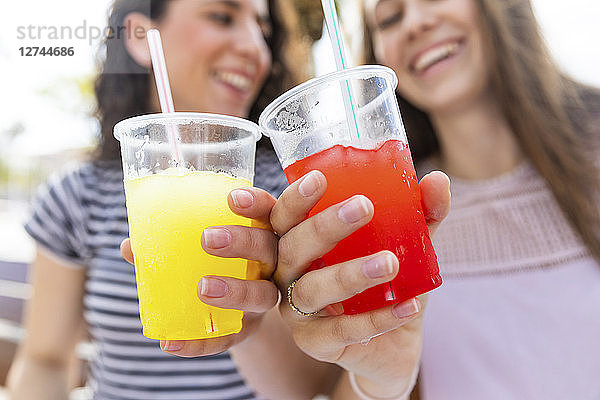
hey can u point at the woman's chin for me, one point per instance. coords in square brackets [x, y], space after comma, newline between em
[224, 109]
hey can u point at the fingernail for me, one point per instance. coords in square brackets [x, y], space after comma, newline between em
[354, 210]
[171, 345]
[309, 184]
[213, 287]
[216, 238]
[406, 309]
[378, 267]
[242, 198]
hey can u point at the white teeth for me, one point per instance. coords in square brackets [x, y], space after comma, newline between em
[238, 81]
[434, 55]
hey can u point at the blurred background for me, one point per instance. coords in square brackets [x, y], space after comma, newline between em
[46, 106]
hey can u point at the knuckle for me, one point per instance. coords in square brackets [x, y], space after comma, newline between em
[208, 348]
[320, 227]
[300, 298]
[241, 292]
[274, 220]
[284, 251]
[265, 297]
[339, 331]
[282, 211]
[342, 281]
[373, 323]
[272, 297]
[276, 217]
[288, 206]
[198, 348]
[271, 259]
[253, 241]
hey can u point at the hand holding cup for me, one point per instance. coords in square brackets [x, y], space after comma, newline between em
[256, 243]
[379, 346]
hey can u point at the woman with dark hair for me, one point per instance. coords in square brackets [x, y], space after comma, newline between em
[520, 250]
[223, 56]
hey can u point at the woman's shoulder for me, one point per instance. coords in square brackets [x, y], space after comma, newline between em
[97, 170]
[59, 212]
[85, 175]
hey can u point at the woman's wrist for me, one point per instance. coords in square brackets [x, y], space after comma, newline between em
[360, 389]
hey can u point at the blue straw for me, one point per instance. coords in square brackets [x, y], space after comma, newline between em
[337, 43]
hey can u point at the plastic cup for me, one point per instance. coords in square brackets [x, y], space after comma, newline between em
[309, 131]
[169, 205]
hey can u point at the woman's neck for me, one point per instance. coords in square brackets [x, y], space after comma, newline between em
[476, 142]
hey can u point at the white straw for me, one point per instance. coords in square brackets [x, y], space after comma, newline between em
[162, 85]
[339, 53]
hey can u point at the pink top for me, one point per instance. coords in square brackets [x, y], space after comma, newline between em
[518, 315]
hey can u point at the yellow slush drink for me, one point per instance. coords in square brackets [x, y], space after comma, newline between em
[167, 214]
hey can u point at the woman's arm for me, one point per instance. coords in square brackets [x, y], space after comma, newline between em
[53, 317]
[276, 368]
[353, 387]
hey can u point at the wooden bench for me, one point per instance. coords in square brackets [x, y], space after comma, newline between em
[14, 291]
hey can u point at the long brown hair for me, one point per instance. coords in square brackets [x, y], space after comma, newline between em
[122, 87]
[555, 119]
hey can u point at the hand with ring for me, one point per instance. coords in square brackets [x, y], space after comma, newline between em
[381, 348]
[255, 297]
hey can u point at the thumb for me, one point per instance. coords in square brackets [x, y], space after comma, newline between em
[435, 198]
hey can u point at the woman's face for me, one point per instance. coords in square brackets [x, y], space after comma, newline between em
[436, 48]
[216, 54]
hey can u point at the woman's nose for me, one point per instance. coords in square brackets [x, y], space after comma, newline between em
[419, 17]
[249, 40]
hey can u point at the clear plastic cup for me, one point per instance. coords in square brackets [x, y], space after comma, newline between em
[169, 205]
[310, 131]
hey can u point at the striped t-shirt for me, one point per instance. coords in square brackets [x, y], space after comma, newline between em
[80, 216]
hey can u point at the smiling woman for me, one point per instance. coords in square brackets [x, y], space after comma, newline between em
[218, 54]
[483, 101]
[223, 56]
[124, 88]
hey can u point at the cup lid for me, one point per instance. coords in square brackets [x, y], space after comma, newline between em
[360, 72]
[182, 118]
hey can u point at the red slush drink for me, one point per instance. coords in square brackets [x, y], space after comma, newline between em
[387, 177]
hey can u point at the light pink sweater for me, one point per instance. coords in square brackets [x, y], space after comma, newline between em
[518, 315]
